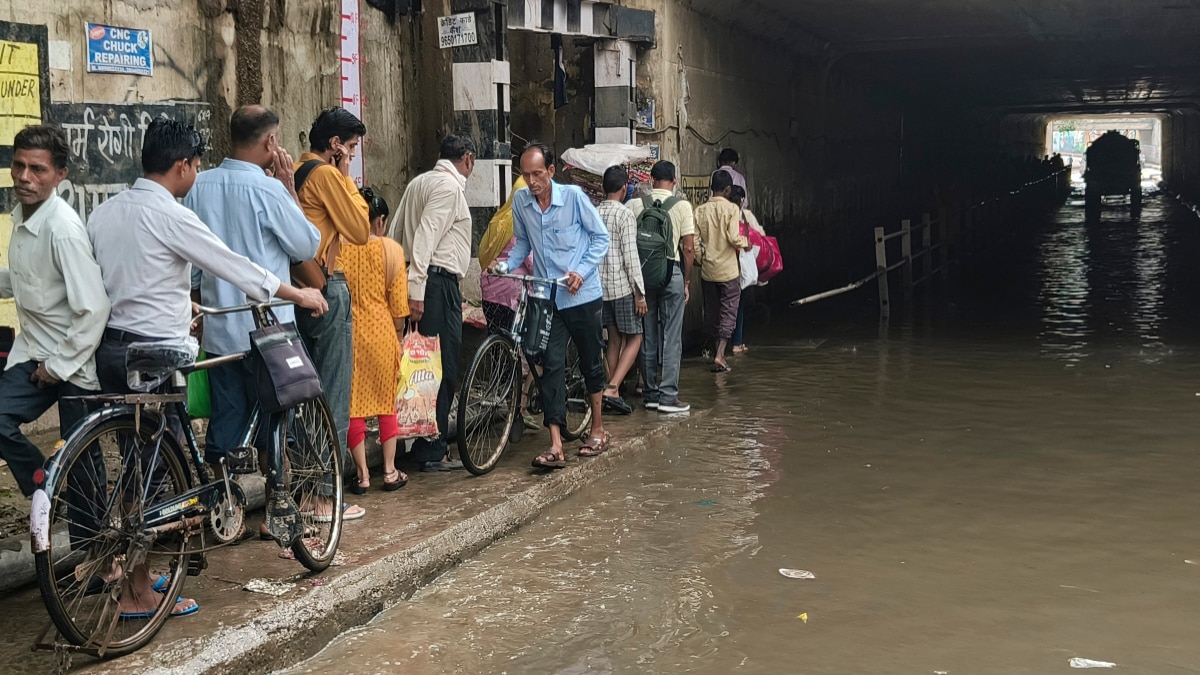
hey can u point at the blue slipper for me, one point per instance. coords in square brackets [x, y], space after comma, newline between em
[146, 615]
[161, 583]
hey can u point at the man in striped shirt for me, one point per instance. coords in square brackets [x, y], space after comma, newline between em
[624, 290]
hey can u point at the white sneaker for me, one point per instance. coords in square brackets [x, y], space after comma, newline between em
[674, 408]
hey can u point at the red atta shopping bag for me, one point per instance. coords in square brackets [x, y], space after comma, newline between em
[419, 382]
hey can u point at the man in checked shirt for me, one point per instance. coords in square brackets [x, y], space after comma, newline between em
[624, 290]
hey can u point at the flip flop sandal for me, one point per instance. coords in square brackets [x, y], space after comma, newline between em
[160, 584]
[721, 369]
[549, 460]
[346, 515]
[595, 446]
[618, 405]
[392, 486]
[146, 615]
[530, 423]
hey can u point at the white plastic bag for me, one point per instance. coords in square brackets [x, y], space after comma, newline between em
[1089, 663]
[748, 263]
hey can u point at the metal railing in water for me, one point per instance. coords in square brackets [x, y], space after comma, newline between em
[956, 230]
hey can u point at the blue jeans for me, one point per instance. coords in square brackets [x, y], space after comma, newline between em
[664, 340]
[233, 399]
[330, 342]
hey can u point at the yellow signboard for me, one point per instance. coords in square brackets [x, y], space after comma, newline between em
[694, 189]
[20, 88]
[8, 310]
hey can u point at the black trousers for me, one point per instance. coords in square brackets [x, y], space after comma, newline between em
[110, 367]
[443, 318]
[583, 326]
[21, 402]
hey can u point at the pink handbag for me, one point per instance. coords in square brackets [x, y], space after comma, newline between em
[770, 261]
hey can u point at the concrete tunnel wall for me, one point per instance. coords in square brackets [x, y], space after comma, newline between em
[223, 53]
[820, 149]
[1181, 152]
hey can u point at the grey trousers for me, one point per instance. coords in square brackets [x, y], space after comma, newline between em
[664, 340]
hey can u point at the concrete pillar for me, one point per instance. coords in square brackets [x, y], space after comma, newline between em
[481, 107]
[616, 65]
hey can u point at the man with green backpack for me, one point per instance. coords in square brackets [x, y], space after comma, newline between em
[665, 234]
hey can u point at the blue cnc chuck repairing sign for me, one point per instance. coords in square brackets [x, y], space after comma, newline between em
[119, 50]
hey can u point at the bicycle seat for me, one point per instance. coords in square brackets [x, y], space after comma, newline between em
[150, 364]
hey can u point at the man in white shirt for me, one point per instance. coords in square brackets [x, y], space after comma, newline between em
[60, 301]
[146, 243]
[433, 224]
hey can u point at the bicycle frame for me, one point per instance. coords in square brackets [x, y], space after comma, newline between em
[164, 517]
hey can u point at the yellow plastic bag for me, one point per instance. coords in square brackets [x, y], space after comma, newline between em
[420, 380]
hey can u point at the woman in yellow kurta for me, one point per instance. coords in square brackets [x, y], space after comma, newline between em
[378, 284]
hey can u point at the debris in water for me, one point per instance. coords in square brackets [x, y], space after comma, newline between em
[803, 617]
[268, 587]
[314, 545]
[797, 574]
[707, 502]
[1089, 663]
[1191, 562]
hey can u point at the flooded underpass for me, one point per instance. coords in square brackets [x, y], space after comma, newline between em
[1000, 482]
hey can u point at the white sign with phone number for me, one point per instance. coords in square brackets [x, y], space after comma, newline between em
[457, 30]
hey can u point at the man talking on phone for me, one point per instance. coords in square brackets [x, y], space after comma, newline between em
[330, 200]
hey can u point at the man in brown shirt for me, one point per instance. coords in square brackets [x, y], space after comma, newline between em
[330, 200]
[718, 226]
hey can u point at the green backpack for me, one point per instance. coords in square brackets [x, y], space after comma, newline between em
[654, 239]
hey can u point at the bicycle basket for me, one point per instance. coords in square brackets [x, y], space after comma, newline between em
[150, 364]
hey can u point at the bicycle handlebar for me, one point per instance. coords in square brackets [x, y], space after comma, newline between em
[217, 311]
[526, 278]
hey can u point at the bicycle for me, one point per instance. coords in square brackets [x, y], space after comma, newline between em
[490, 398]
[119, 499]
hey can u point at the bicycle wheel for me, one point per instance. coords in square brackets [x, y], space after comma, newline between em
[487, 404]
[579, 409]
[313, 473]
[100, 485]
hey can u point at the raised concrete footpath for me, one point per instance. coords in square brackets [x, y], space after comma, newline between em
[408, 538]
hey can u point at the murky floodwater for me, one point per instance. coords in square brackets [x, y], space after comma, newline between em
[1002, 483]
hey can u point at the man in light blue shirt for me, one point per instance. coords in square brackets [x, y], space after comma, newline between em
[256, 216]
[562, 228]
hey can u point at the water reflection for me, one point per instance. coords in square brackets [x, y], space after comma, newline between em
[1150, 266]
[1103, 284]
[1063, 271]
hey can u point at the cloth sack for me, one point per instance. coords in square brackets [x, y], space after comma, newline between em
[499, 231]
[420, 380]
[199, 396]
[284, 373]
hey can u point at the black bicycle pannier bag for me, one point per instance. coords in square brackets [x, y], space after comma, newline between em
[539, 318]
[284, 373]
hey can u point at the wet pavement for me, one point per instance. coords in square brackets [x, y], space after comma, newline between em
[402, 538]
[999, 482]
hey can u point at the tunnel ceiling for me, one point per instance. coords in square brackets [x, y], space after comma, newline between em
[1018, 55]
